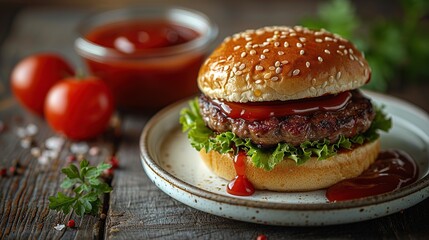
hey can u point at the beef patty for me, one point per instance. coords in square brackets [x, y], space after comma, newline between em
[354, 118]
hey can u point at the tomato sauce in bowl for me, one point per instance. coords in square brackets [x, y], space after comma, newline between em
[150, 57]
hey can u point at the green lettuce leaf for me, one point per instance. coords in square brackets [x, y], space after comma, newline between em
[202, 137]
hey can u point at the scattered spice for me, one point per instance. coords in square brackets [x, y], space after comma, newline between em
[94, 151]
[59, 227]
[79, 148]
[71, 223]
[114, 162]
[261, 237]
[2, 126]
[3, 172]
[71, 158]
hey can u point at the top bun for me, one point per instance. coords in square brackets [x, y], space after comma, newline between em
[282, 63]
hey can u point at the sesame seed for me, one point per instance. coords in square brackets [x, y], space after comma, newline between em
[351, 57]
[234, 69]
[243, 54]
[341, 47]
[301, 52]
[255, 45]
[280, 53]
[274, 78]
[307, 64]
[345, 51]
[313, 89]
[238, 73]
[276, 44]
[258, 81]
[236, 48]
[313, 81]
[295, 72]
[318, 40]
[299, 45]
[272, 68]
[259, 67]
[267, 75]
[331, 79]
[262, 56]
[278, 70]
[338, 75]
[222, 61]
[242, 66]
[327, 51]
[361, 63]
[292, 34]
[339, 52]
[284, 62]
[277, 64]
[302, 39]
[248, 38]
[328, 39]
[266, 50]
[226, 67]
[318, 33]
[257, 93]
[252, 52]
[351, 50]
[229, 58]
[286, 44]
[320, 59]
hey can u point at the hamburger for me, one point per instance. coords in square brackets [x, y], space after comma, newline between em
[288, 98]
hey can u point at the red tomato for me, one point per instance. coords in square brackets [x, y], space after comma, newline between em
[33, 76]
[79, 108]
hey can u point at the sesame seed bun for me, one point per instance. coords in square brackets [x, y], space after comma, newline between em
[288, 176]
[282, 63]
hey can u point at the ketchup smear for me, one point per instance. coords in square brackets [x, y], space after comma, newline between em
[240, 185]
[391, 170]
[254, 111]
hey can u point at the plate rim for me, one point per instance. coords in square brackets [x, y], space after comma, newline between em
[242, 201]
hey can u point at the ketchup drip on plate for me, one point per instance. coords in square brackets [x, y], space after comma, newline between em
[391, 170]
[256, 111]
[240, 185]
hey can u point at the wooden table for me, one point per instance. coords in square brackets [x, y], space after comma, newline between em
[136, 209]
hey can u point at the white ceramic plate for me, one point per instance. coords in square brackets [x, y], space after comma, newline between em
[174, 166]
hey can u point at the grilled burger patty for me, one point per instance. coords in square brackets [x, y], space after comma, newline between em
[354, 118]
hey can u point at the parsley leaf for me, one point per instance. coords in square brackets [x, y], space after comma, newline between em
[88, 188]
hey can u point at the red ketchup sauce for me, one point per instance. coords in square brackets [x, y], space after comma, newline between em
[136, 78]
[391, 170]
[240, 185]
[254, 111]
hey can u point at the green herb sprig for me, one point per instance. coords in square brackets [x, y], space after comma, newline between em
[396, 47]
[88, 188]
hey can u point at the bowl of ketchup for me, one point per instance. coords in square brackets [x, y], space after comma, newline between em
[149, 56]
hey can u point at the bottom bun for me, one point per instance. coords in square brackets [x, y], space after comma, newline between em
[288, 176]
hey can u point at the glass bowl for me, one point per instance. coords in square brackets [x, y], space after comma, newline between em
[151, 77]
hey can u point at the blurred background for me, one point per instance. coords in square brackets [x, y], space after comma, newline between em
[393, 34]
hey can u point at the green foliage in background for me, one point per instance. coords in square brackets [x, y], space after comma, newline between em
[397, 49]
